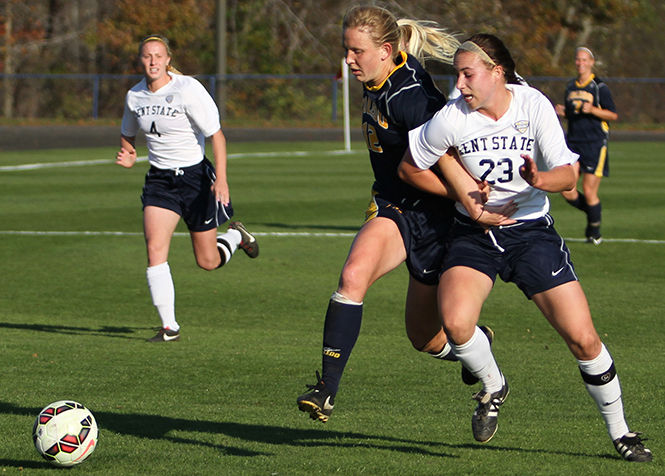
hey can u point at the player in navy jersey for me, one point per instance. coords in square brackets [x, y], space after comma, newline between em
[509, 135]
[403, 224]
[588, 108]
[176, 114]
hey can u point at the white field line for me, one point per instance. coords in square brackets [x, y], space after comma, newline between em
[304, 234]
[78, 163]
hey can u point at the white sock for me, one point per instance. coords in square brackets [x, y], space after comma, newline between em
[476, 355]
[445, 354]
[607, 395]
[162, 291]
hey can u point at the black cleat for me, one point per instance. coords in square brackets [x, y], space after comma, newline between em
[248, 243]
[318, 403]
[631, 448]
[165, 335]
[467, 377]
[485, 419]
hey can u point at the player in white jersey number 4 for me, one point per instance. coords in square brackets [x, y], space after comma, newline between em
[177, 114]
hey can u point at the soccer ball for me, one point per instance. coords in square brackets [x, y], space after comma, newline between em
[65, 433]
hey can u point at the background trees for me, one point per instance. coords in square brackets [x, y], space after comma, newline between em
[300, 37]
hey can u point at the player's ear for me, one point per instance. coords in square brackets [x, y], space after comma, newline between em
[386, 51]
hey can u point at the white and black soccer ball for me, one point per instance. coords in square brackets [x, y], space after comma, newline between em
[65, 433]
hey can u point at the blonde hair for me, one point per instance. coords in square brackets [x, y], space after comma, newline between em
[426, 40]
[422, 39]
[165, 42]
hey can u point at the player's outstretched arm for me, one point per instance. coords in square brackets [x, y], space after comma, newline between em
[558, 179]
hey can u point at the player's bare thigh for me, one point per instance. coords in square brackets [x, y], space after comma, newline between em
[567, 310]
[158, 227]
[377, 249]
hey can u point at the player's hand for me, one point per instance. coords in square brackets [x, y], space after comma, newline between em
[529, 171]
[125, 157]
[484, 188]
[560, 109]
[221, 190]
[497, 215]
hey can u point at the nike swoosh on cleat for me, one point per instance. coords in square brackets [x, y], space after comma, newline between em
[167, 337]
[556, 273]
[327, 405]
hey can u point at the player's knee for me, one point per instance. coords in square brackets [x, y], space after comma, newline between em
[586, 345]
[353, 282]
[208, 263]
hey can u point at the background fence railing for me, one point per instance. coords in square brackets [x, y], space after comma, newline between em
[261, 98]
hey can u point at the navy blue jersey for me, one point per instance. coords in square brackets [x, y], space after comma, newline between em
[404, 101]
[587, 127]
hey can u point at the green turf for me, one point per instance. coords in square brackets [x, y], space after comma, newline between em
[75, 312]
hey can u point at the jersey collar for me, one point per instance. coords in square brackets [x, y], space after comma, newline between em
[402, 63]
[586, 83]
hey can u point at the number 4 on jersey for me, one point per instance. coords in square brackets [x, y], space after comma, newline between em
[153, 129]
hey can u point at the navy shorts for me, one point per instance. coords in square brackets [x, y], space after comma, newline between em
[425, 230]
[186, 191]
[529, 253]
[594, 157]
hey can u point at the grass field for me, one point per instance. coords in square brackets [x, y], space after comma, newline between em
[75, 312]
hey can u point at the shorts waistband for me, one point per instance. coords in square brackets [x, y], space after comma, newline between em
[465, 220]
[178, 170]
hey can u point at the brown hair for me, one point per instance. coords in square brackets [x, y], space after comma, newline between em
[498, 53]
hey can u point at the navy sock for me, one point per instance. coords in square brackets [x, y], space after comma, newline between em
[340, 332]
[579, 202]
[594, 213]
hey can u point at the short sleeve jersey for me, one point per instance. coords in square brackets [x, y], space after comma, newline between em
[587, 127]
[405, 100]
[491, 150]
[176, 119]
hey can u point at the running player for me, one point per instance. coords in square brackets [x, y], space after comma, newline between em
[402, 223]
[176, 114]
[509, 135]
[588, 108]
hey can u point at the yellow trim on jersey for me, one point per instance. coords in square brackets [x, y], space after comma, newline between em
[372, 208]
[591, 78]
[601, 162]
[379, 86]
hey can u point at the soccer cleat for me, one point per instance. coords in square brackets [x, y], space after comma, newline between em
[467, 377]
[485, 419]
[592, 234]
[165, 335]
[248, 243]
[318, 403]
[631, 448]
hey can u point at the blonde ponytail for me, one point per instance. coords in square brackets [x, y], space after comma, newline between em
[426, 40]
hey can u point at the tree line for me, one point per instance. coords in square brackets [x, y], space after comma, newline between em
[304, 37]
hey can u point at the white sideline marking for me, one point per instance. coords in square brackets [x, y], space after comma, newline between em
[74, 163]
[274, 233]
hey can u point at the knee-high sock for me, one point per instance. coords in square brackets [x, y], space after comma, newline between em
[162, 291]
[476, 355]
[594, 214]
[445, 354]
[603, 385]
[579, 202]
[227, 244]
[340, 332]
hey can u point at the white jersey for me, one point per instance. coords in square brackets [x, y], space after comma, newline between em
[490, 150]
[176, 119]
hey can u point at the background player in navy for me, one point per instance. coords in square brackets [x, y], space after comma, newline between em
[588, 108]
[509, 135]
[403, 223]
[176, 114]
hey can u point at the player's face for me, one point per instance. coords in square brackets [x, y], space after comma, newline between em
[583, 63]
[369, 63]
[476, 82]
[154, 59]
